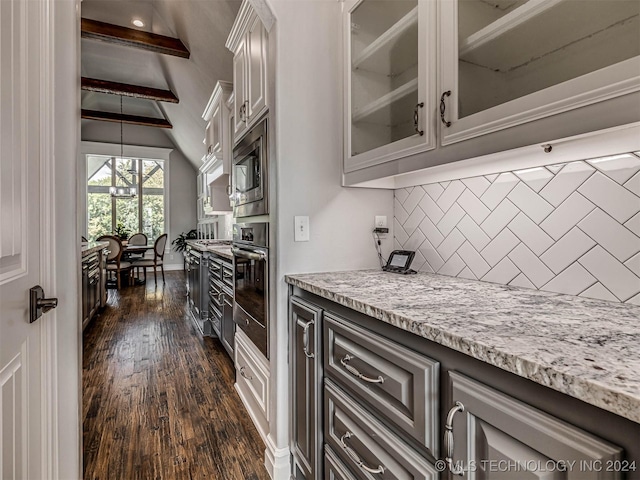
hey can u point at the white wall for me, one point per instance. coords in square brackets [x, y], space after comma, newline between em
[182, 175]
[308, 163]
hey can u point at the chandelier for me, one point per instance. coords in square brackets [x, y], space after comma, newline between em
[123, 192]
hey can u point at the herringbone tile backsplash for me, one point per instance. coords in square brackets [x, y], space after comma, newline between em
[571, 228]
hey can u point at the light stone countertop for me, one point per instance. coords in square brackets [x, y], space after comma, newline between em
[219, 247]
[588, 349]
[90, 247]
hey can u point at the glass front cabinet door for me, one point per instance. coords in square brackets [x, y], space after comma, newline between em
[507, 62]
[390, 48]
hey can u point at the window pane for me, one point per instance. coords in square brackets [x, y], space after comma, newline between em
[99, 170]
[127, 214]
[152, 216]
[99, 215]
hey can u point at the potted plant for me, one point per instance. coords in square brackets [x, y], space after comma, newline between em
[121, 232]
[180, 243]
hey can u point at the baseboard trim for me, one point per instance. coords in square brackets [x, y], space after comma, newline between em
[168, 267]
[277, 461]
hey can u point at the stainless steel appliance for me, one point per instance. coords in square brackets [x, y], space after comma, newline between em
[250, 176]
[251, 278]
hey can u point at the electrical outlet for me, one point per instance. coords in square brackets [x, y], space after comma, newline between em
[380, 221]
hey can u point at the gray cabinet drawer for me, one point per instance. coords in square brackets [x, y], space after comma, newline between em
[396, 381]
[371, 450]
[334, 469]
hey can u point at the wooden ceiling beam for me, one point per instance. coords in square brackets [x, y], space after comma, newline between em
[124, 118]
[116, 88]
[115, 34]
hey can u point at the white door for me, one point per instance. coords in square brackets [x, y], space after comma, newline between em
[29, 401]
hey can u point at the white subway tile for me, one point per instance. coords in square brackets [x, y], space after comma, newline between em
[399, 212]
[555, 168]
[492, 177]
[434, 190]
[467, 273]
[398, 232]
[617, 278]
[567, 215]
[531, 234]
[415, 240]
[633, 185]
[450, 219]
[536, 208]
[503, 272]
[453, 266]
[567, 250]
[522, 281]
[565, 182]
[500, 247]
[473, 233]
[419, 262]
[530, 265]
[599, 292]
[432, 210]
[450, 195]
[473, 260]
[633, 224]
[473, 206]
[633, 264]
[634, 300]
[401, 194]
[615, 238]
[499, 218]
[431, 231]
[450, 244]
[535, 178]
[413, 220]
[499, 189]
[431, 255]
[614, 199]
[619, 168]
[571, 281]
[413, 199]
[478, 185]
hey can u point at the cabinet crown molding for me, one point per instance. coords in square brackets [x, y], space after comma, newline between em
[247, 10]
[222, 90]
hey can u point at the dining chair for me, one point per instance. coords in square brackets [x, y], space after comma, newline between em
[157, 261]
[115, 263]
[136, 239]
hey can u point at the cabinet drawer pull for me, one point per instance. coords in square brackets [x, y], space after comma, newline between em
[448, 439]
[443, 108]
[248, 377]
[354, 456]
[416, 118]
[356, 373]
[305, 337]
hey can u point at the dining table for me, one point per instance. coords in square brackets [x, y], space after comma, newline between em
[128, 250]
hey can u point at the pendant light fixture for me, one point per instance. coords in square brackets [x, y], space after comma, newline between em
[122, 192]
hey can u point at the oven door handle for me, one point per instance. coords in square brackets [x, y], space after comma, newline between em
[249, 255]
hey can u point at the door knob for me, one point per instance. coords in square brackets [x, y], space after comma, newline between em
[38, 304]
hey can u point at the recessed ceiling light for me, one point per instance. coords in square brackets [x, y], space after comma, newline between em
[138, 23]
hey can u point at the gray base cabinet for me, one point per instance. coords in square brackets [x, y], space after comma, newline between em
[307, 389]
[497, 437]
[392, 405]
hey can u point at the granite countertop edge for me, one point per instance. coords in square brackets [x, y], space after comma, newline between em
[606, 397]
[88, 248]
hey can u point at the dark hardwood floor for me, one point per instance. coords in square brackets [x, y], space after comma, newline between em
[158, 399]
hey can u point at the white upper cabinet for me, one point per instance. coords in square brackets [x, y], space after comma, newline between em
[248, 42]
[508, 62]
[218, 138]
[390, 60]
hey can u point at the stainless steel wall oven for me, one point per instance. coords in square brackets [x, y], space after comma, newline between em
[251, 277]
[250, 176]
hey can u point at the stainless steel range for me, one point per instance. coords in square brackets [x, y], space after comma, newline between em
[251, 263]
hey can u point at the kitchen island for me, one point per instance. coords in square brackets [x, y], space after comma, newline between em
[94, 294]
[491, 347]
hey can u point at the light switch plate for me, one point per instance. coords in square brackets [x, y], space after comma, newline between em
[381, 221]
[301, 226]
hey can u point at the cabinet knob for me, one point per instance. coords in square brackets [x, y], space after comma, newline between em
[443, 108]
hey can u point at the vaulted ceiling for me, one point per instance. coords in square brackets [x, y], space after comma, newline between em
[201, 25]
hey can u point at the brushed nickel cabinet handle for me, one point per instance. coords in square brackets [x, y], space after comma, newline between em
[248, 377]
[305, 337]
[448, 439]
[353, 371]
[356, 459]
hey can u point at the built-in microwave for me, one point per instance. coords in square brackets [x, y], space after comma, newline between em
[250, 176]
